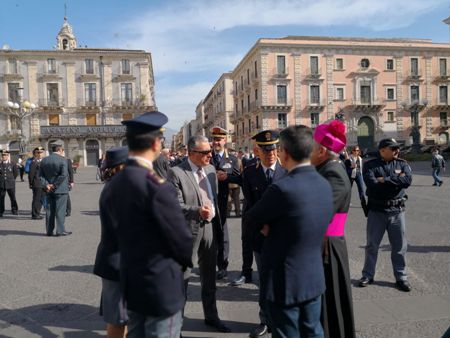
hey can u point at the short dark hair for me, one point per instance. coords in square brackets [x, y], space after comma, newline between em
[141, 142]
[56, 148]
[297, 141]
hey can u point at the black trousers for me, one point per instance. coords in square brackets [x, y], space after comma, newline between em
[69, 206]
[221, 234]
[36, 204]
[247, 250]
[12, 196]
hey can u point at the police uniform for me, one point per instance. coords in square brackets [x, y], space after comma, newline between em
[386, 203]
[229, 164]
[8, 174]
[255, 180]
[154, 240]
[34, 180]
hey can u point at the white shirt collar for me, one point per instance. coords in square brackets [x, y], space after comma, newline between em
[273, 166]
[194, 167]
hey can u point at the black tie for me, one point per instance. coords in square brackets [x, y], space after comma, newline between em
[269, 175]
[217, 159]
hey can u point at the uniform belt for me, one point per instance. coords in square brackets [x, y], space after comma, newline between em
[337, 225]
[400, 202]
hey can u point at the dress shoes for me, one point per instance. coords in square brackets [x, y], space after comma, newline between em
[240, 281]
[221, 274]
[37, 217]
[259, 331]
[403, 285]
[217, 323]
[365, 281]
[441, 182]
[65, 233]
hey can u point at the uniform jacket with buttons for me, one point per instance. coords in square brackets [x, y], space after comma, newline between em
[8, 174]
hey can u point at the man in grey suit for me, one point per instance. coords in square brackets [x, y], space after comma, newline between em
[196, 184]
[54, 179]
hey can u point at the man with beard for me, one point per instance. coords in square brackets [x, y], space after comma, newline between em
[337, 305]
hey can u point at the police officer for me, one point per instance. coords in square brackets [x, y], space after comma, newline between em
[256, 178]
[227, 169]
[386, 177]
[8, 174]
[34, 180]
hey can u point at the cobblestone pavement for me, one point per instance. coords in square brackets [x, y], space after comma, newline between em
[47, 288]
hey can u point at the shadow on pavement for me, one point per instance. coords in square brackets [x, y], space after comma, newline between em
[355, 283]
[20, 233]
[421, 248]
[73, 268]
[36, 318]
[194, 324]
[90, 213]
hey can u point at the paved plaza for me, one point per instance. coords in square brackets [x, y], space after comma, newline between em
[47, 288]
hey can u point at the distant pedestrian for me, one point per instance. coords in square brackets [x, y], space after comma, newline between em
[386, 177]
[437, 163]
[21, 166]
[8, 175]
[107, 260]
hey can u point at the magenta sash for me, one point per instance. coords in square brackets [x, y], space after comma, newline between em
[337, 225]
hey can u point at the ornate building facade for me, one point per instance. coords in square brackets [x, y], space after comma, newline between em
[381, 87]
[78, 95]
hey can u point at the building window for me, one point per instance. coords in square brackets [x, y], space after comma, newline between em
[256, 69]
[127, 116]
[256, 94]
[248, 102]
[390, 116]
[126, 66]
[443, 94]
[90, 94]
[390, 93]
[443, 67]
[65, 44]
[249, 126]
[365, 94]
[248, 76]
[340, 94]
[13, 67]
[390, 64]
[243, 127]
[282, 120]
[52, 94]
[314, 120]
[314, 65]
[13, 122]
[365, 63]
[235, 88]
[242, 108]
[237, 129]
[242, 82]
[13, 92]
[126, 90]
[257, 122]
[51, 66]
[53, 119]
[414, 66]
[339, 64]
[281, 94]
[236, 109]
[91, 119]
[314, 94]
[415, 97]
[281, 64]
[89, 65]
[443, 118]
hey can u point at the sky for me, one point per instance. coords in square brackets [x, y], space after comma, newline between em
[194, 41]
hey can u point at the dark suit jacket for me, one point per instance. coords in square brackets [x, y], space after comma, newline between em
[188, 192]
[230, 165]
[34, 176]
[140, 213]
[298, 209]
[161, 166]
[70, 170]
[54, 171]
[8, 174]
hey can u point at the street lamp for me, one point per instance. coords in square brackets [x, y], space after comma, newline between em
[414, 109]
[21, 110]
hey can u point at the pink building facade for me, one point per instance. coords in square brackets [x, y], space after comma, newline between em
[381, 86]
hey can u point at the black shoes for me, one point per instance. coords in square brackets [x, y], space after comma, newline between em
[260, 330]
[222, 273]
[37, 217]
[403, 285]
[240, 281]
[218, 324]
[441, 182]
[65, 233]
[364, 281]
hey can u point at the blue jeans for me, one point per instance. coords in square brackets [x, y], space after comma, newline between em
[141, 326]
[378, 223]
[359, 183]
[436, 177]
[300, 320]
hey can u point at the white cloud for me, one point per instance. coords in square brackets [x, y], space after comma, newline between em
[189, 37]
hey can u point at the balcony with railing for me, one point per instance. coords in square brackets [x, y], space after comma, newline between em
[280, 73]
[49, 74]
[51, 103]
[89, 104]
[414, 75]
[280, 104]
[316, 103]
[124, 77]
[313, 73]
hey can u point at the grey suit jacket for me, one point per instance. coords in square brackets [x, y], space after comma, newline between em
[188, 192]
[54, 171]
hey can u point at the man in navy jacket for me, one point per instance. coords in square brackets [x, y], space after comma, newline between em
[296, 210]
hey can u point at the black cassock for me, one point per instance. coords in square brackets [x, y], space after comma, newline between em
[337, 304]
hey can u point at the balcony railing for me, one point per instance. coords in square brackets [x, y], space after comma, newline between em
[280, 73]
[313, 73]
[444, 123]
[88, 103]
[56, 102]
[414, 75]
[366, 102]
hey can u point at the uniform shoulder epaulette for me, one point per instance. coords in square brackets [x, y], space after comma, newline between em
[155, 177]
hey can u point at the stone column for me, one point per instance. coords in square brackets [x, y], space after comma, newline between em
[297, 87]
[329, 85]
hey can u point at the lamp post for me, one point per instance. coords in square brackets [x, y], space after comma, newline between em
[414, 109]
[20, 111]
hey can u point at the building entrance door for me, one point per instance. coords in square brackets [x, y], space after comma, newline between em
[92, 152]
[366, 132]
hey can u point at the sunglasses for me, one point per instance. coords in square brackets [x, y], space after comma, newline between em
[203, 152]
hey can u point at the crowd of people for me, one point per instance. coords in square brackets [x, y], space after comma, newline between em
[160, 215]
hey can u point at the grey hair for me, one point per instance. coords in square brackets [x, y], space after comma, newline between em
[194, 140]
[332, 155]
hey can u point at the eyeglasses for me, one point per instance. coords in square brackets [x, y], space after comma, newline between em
[203, 152]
